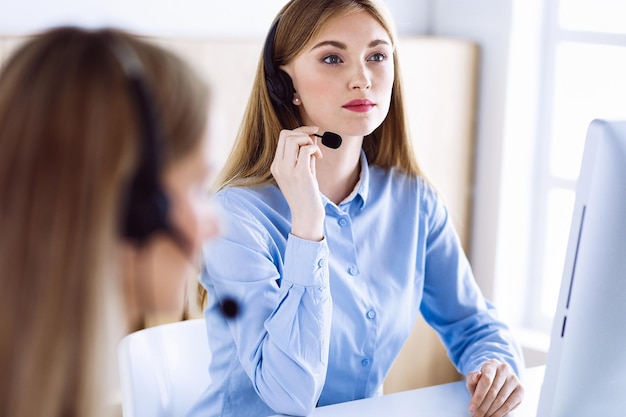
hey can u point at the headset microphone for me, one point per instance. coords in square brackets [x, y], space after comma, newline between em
[330, 139]
[229, 308]
[280, 87]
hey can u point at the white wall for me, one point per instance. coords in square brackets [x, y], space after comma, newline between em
[186, 18]
[180, 18]
[487, 22]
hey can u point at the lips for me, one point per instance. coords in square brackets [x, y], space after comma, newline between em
[359, 106]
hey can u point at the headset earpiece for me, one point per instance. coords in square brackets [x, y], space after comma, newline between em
[281, 90]
[279, 84]
[146, 209]
[147, 205]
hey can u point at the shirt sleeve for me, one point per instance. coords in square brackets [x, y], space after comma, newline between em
[282, 334]
[453, 303]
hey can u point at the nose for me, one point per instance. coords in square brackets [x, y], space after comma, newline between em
[361, 78]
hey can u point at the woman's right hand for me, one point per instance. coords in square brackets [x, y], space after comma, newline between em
[293, 169]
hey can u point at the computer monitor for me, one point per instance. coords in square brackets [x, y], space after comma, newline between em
[585, 373]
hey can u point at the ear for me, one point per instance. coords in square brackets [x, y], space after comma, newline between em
[288, 69]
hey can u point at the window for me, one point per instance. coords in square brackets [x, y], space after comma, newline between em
[577, 72]
[601, 16]
[585, 75]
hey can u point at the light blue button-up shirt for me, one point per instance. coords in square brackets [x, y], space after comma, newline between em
[322, 322]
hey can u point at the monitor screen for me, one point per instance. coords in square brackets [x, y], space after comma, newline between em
[585, 372]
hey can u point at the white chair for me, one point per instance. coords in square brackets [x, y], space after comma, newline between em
[164, 369]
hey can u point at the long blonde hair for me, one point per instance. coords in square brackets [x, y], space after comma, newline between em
[300, 20]
[68, 147]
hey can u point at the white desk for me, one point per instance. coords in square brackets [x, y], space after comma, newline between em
[447, 400]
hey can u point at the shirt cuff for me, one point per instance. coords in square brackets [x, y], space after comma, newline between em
[306, 262]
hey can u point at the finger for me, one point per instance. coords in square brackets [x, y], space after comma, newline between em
[487, 387]
[285, 135]
[310, 131]
[317, 155]
[288, 151]
[281, 146]
[492, 384]
[297, 135]
[471, 381]
[480, 384]
[306, 157]
[509, 398]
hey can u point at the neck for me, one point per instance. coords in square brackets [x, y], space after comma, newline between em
[338, 171]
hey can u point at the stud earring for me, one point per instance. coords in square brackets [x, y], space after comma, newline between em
[296, 101]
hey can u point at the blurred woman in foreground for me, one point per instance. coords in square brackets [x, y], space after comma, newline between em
[103, 162]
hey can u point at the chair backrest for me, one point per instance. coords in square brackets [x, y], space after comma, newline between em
[164, 369]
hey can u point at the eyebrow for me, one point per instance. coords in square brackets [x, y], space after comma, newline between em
[343, 46]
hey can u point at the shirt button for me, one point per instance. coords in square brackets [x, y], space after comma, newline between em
[321, 263]
[371, 314]
[365, 362]
[343, 222]
[353, 270]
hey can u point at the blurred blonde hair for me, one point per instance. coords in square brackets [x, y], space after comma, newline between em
[68, 147]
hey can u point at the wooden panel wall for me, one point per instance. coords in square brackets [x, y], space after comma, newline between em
[440, 84]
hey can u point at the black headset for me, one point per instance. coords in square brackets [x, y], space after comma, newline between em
[279, 83]
[146, 208]
[280, 87]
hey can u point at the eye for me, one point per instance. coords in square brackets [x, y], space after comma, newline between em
[377, 57]
[332, 59]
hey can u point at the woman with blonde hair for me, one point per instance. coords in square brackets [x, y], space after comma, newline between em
[103, 160]
[333, 240]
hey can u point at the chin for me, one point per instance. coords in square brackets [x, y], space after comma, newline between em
[363, 127]
[359, 132]
[168, 275]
